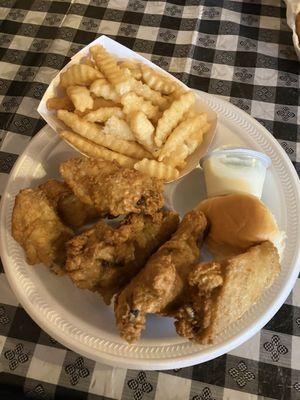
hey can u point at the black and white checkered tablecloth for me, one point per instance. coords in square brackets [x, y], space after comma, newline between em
[240, 50]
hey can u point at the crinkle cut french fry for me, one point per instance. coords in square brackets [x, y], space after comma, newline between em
[157, 169]
[149, 94]
[181, 133]
[180, 164]
[142, 130]
[193, 141]
[132, 102]
[157, 81]
[172, 116]
[191, 113]
[133, 66]
[131, 149]
[101, 102]
[102, 88]
[80, 97]
[93, 150]
[88, 61]
[119, 128]
[60, 103]
[98, 103]
[177, 157]
[103, 114]
[79, 74]
[179, 91]
[107, 64]
[94, 133]
[78, 124]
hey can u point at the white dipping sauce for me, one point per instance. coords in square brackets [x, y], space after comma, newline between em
[234, 171]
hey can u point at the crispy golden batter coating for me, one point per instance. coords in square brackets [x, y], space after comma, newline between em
[38, 229]
[70, 209]
[55, 191]
[112, 189]
[220, 293]
[161, 282]
[104, 259]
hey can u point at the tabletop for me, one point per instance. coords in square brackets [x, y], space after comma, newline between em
[239, 50]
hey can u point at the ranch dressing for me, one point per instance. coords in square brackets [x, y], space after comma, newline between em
[235, 170]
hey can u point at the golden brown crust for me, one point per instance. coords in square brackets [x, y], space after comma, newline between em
[70, 209]
[37, 228]
[55, 191]
[111, 189]
[104, 259]
[220, 293]
[161, 282]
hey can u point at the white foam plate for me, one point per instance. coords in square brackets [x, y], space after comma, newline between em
[80, 320]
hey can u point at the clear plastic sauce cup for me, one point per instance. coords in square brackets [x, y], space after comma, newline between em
[235, 170]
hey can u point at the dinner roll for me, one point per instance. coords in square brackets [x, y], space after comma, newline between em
[237, 222]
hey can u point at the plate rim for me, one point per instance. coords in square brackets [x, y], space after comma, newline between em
[204, 354]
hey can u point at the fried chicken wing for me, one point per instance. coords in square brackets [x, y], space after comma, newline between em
[160, 284]
[38, 229]
[104, 259]
[55, 191]
[112, 189]
[220, 293]
[70, 209]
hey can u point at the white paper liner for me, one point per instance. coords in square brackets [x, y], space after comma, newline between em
[121, 51]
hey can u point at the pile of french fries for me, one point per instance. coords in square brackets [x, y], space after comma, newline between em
[123, 110]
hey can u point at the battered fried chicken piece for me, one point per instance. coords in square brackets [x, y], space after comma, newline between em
[220, 293]
[112, 189]
[55, 191]
[38, 229]
[70, 209]
[161, 282]
[104, 259]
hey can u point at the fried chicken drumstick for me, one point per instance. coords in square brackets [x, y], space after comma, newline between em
[112, 189]
[104, 259]
[162, 281]
[38, 229]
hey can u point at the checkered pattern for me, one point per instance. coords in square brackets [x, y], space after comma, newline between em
[240, 50]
